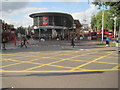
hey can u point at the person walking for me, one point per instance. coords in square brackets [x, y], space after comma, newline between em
[72, 42]
[24, 41]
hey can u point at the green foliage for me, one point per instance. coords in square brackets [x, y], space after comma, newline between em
[112, 12]
[114, 6]
[96, 20]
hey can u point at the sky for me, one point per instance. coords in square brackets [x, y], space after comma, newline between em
[17, 12]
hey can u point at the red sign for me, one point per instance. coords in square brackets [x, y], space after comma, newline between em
[45, 20]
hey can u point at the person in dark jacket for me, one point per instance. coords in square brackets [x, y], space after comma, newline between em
[24, 41]
[72, 42]
[4, 41]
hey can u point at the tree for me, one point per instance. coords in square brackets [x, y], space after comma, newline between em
[93, 22]
[96, 20]
[21, 30]
[114, 7]
[109, 15]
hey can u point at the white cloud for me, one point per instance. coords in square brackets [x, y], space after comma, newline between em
[18, 23]
[20, 17]
[87, 13]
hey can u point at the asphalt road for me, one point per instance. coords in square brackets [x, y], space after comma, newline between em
[60, 66]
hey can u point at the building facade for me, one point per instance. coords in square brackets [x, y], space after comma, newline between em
[52, 24]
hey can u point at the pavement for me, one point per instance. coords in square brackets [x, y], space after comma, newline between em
[55, 64]
[36, 43]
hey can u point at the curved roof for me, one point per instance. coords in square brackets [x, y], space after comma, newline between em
[51, 14]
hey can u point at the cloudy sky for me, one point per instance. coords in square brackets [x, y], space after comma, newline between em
[17, 12]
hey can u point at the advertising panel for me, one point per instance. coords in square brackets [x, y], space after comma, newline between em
[45, 21]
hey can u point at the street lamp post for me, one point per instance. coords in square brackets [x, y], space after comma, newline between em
[103, 23]
[119, 32]
[115, 26]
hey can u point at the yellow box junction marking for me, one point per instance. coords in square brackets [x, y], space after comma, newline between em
[16, 63]
[26, 61]
[38, 63]
[56, 61]
[49, 64]
[94, 62]
[90, 62]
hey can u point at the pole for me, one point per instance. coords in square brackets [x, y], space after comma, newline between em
[103, 23]
[38, 29]
[114, 27]
[119, 32]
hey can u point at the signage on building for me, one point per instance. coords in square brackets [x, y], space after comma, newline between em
[45, 21]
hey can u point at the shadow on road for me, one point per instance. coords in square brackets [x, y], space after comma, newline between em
[54, 74]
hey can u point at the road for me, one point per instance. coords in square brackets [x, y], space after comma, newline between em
[60, 66]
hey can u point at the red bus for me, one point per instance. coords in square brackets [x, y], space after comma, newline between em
[92, 35]
[106, 32]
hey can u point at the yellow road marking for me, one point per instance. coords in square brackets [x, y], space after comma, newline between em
[5, 59]
[116, 67]
[79, 60]
[21, 55]
[94, 62]
[103, 70]
[37, 63]
[16, 63]
[45, 64]
[58, 55]
[56, 61]
[99, 56]
[52, 71]
[10, 65]
[24, 61]
[105, 62]
[44, 54]
[90, 62]
[60, 66]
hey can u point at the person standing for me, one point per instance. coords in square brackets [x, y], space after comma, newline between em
[108, 41]
[4, 40]
[24, 41]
